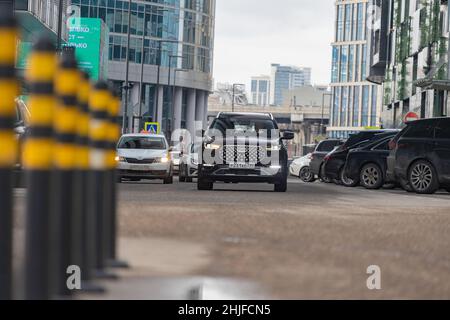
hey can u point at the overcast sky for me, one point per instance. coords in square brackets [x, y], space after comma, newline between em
[252, 34]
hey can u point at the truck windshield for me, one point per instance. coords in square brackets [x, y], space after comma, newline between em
[244, 125]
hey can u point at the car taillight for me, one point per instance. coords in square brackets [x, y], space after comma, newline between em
[327, 157]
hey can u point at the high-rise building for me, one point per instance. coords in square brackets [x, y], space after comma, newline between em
[260, 91]
[356, 102]
[286, 78]
[409, 58]
[178, 36]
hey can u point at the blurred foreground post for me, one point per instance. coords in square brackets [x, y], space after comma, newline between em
[111, 203]
[9, 89]
[37, 161]
[99, 101]
[84, 235]
[67, 83]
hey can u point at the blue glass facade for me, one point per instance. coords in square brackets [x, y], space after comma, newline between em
[355, 100]
[287, 78]
[177, 35]
[153, 20]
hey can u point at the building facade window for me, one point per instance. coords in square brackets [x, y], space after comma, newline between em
[365, 106]
[373, 109]
[344, 63]
[356, 105]
[335, 64]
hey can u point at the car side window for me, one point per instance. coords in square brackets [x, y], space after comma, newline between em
[327, 145]
[421, 129]
[383, 145]
[443, 129]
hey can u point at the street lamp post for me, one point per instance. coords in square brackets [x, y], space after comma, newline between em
[141, 83]
[127, 70]
[171, 104]
[160, 41]
[323, 107]
[234, 87]
[173, 89]
[60, 18]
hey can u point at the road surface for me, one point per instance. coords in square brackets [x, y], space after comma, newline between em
[315, 241]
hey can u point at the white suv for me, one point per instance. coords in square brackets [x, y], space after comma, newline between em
[144, 156]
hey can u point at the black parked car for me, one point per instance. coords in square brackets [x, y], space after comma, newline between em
[420, 156]
[367, 165]
[334, 162]
[244, 147]
[322, 149]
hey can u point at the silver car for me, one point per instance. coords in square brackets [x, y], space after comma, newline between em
[189, 164]
[144, 156]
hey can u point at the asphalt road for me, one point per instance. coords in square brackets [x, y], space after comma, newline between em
[315, 241]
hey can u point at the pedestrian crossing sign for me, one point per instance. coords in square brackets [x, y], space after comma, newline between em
[152, 127]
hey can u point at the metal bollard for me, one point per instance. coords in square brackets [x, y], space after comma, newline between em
[9, 89]
[67, 83]
[37, 160]
[98, 133]
[83, 235]
[114, 135]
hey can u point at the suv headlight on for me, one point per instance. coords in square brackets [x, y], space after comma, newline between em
[274, 148]
[120, 159]
[211, 146]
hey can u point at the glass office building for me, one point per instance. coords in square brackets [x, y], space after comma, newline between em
[287, 78]
[356, 102]
[178, 36]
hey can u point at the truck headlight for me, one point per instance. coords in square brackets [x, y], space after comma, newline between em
[120, 159]
[212, 146]
[274, 148]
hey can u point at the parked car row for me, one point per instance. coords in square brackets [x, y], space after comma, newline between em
[416, 158]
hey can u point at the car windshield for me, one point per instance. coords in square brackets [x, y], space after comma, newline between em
[243, 125]
[152, 143]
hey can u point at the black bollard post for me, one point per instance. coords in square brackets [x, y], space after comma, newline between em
[111, 212]
[37, 160]
[67, 82]
[84, 235]
[9, 89]
[98, 133]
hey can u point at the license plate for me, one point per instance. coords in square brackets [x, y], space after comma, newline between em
[242, 166]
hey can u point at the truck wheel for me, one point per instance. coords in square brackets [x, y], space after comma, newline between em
[204, 185]
[168, 180]
[182, 176]
[280, 186]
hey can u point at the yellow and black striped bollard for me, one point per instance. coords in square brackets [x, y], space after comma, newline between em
[9, 89]
[84, 234]
[99, 101]
[111, 199]
[37, 160]
[67, 82]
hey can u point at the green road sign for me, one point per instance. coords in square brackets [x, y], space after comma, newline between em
[152, 127]
[89, 37]
[23, 50]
